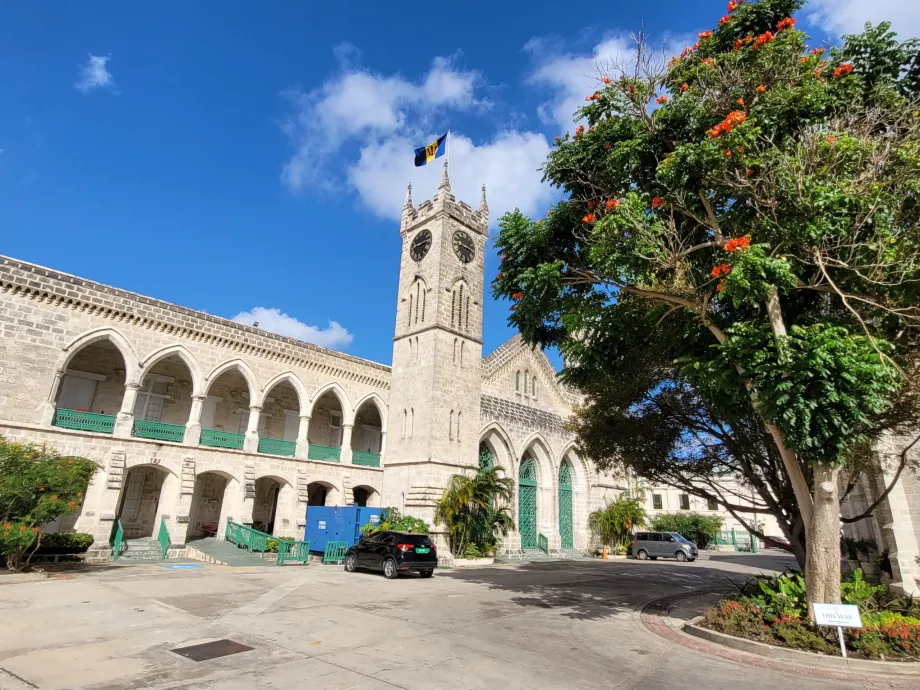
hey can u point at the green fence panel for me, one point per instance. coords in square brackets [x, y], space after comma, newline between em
[118, 536]
[335, 551]
[274, 446]
[293, 551]
[543, 544]
[84, 421]
[324, 453]
[527, 503]
[144, 428]
[163, 537]
[360, 457]
[221, 439]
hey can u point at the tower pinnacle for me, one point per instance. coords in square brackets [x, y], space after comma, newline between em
[408, 203]
[484, 205]
[445, 180]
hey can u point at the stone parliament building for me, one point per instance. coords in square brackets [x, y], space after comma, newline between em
[194, 420]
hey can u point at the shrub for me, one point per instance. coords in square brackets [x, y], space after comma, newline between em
[887, 634]
[739, 618]
[65, 542]
[271, 546]
[391, 519]
[700, 529]
[613, 523]
[472, 551]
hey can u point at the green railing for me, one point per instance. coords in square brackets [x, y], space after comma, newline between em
[84, 421]
[294, 551]
[274, 446]
[246, 537]
[740, 541]
[324, 453]
[163, 537]
[117, 537]
[144, 428]
[335, 551]
[221, 439]
[543, 543]
[359, 457]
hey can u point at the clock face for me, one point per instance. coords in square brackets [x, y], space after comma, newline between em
[464, 247]
[420, 245]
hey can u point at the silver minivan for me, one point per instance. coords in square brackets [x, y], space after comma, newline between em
[663, 545]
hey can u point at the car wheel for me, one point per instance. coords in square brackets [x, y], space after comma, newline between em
[351, 563]
[642, 554]
[389, 569]
[427, 573]
[681, 556]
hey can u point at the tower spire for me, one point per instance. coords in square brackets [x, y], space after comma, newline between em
[408, 204]
[484, 205]
[445, 180]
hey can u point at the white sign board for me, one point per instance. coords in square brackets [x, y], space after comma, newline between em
[837, 615]
[321, 524]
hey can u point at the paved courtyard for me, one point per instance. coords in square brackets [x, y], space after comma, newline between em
[551, 625]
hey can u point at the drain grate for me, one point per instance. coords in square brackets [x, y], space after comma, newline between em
[211, 650]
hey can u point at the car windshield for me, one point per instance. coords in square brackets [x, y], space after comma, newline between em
[681, 539]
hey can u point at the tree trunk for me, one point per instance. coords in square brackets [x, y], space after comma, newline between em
[822, 567]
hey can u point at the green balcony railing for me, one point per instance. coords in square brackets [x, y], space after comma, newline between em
[360, 457]
[144, 428]
[84, 421]
[325, 453]
[221, 439]
[274, 446]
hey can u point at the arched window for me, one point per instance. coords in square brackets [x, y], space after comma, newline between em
[424, 302]
[459, 417]
[462, 348]
[526, 379]
[453, 309]
[409, 322]
[411, 422]
[405, 423]
[517, 382]
[460, 307]
[455, 350]
[450, 429]
[418, 298]
[466, 318]
[460, 311]
[533, 387]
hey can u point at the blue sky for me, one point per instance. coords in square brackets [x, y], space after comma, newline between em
[239, 156]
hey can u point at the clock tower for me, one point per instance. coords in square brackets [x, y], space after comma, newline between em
[433, 420]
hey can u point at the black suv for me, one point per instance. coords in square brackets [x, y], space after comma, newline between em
[393, 552]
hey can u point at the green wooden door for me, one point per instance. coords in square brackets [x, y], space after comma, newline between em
[566, 531]
[527, 503]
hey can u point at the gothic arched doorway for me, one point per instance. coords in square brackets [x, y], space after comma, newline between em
[527, 503]
[566, 531]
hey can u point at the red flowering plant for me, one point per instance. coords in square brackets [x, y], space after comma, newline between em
[801, 224]
[37, 486]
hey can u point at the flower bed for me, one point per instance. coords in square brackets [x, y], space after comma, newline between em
[774, 611]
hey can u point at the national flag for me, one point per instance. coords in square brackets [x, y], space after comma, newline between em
[426, 154]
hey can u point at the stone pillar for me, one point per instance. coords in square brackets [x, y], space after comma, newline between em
[248, 498]
[383, 445]
[95, 501]
[230, 506]
[900, 539]
[303, 431]
[48, 408]
[346, 444]
[251, 443]
[285, 513]
[124, 422]
[193, 425]
[167, 509]
[176, 502]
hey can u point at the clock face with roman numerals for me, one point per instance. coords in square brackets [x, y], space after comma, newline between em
[420, 245]
[464, 247]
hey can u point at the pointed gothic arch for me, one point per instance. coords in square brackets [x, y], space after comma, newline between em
[418, 301]
[497, 440]
[180, 351]
[340, 394]
[303, 398]
[460, 296]
[255, 392]
[377, 401]
[118, 340]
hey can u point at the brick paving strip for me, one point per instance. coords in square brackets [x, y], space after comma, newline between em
[654, 617]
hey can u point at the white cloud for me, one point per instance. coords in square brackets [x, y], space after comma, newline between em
[508, 165]
[358, 103]
[849, 16]
[273, 320]
[95, 75]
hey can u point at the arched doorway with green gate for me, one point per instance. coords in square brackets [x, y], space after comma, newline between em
[566, 526]
[527, 502]
[486, 457]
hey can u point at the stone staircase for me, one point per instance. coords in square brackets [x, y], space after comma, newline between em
[145, 550]
[221, 552]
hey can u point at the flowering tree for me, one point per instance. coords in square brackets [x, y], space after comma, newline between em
[757, 229]
[36, 487]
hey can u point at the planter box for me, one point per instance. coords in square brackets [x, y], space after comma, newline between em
[472, 562]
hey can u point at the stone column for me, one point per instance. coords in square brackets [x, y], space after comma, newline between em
[383, 445]
[346, 444]
[168, 508]
[251, 443]
[48, 408]
[286, 513]
[193, 425]
[900, 539]
[229, 506]
[124, 422]
[303, 432]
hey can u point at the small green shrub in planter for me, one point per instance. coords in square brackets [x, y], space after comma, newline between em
[64, 542]
[887, 634]
[272, 544]
[472, 552]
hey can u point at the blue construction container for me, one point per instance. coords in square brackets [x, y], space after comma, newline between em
[337, 523]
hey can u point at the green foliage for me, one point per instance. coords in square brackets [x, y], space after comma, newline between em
[392, 519]
[472, 551]
[698, 528]
[613, 523]
[887, 634]
[474, 509]
[65, 542]
[271, 545]
[854, 548]
[36, 487]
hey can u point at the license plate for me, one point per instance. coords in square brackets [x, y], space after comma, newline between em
[421, 549]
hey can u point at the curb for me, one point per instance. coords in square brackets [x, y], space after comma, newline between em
[807, 658]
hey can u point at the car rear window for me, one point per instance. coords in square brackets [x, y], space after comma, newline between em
[417, 539]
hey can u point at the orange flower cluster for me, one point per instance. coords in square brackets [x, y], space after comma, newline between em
[734, 118]
[704, 34]
[611, 204]
[657, 202]
[734, 5]
[740, 102]
[817, 51]
[579, 131]
[721, 270]
[589, 218]
[761, 89]
[763, 39]
[593, 97]
[661, 100]
[843, 70]
[739, 43]
[738, 243]
[517, 295]
[709, 62]
[784, 24]
[725, 20]
[607, 80]
[684, 87]
[728, 154]
[832, 140]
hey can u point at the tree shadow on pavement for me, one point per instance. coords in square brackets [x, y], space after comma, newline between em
[770, 560]
[586, 590]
